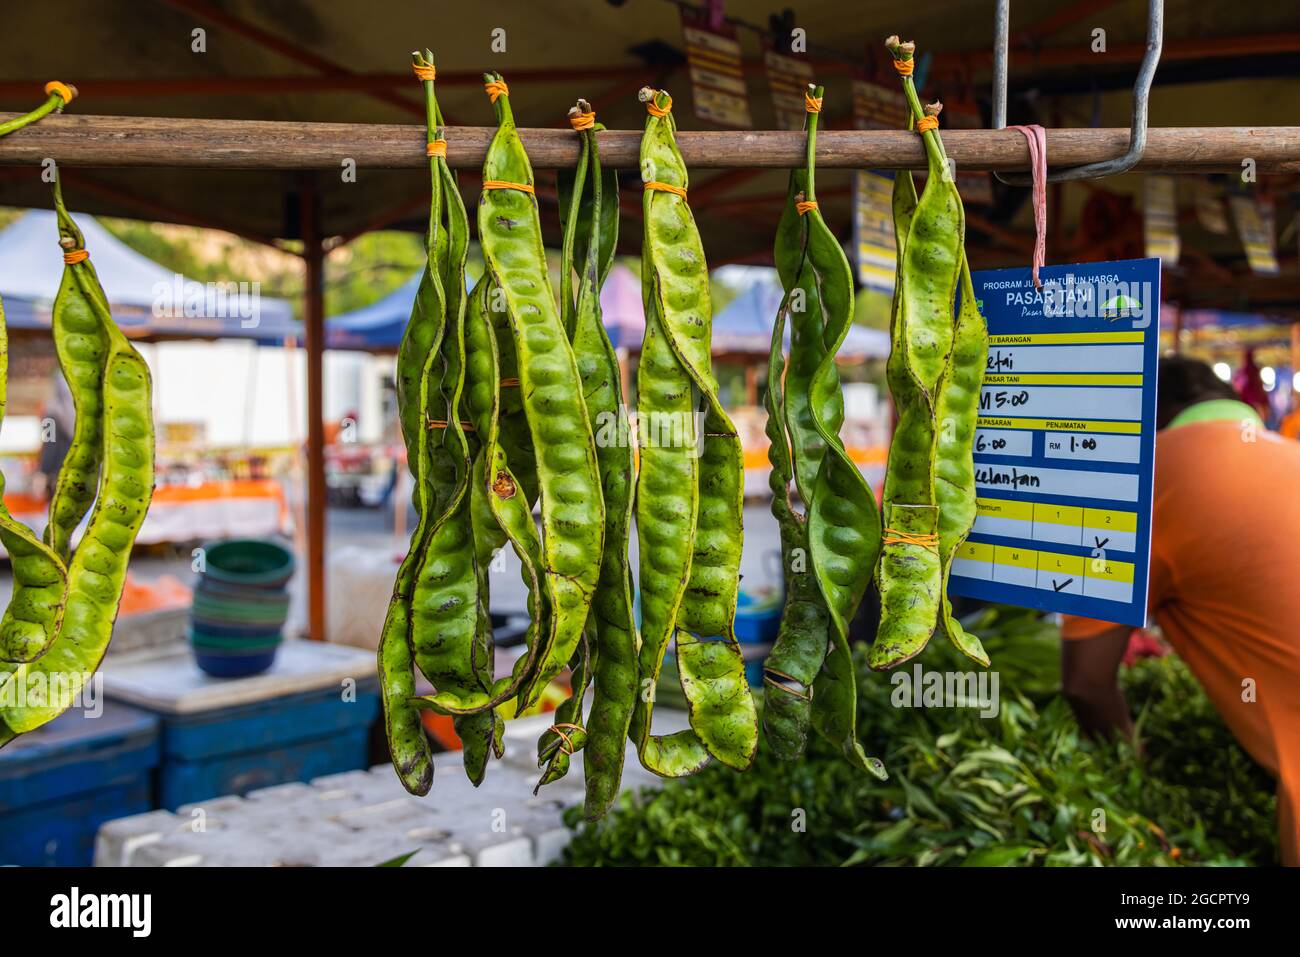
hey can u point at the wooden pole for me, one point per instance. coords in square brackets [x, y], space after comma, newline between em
[314, 327]
[138, 141]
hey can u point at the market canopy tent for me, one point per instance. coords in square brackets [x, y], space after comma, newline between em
[744, 325]
[147, 300]
[378, 327]
[347, 63]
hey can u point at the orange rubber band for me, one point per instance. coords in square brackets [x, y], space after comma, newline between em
[509, 382]
[654, 109]
[436, 148]
[424, 71]
[894, 537]
[72, 257]
[927, 123]
[904, 67]
[567, 747]
[813, 104]
[62, 89]
[583, 121]
[803, 207]
[495, 89]
[442, 424]
[502, 184]
[667, 188]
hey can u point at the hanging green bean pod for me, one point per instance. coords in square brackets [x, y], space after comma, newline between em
[568, 476]
[31, 619]
[589, 206]
[418, 352]
[689, 496]
[124, 482]
[956, 413]
[794, 444]
[909, 574]
[843, 522]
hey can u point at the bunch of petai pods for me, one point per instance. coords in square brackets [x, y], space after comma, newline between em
[829, 549]
[57, 626]
[939, 348]
[502, 396]
[509, 404]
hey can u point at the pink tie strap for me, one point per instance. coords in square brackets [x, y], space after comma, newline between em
[1037, 140]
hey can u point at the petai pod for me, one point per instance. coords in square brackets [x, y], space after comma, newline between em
[449, 630]
[79, 322]
[793, 442]
[96, 574]
[909, 574]
[589, 207]
[421, 342]
[843, 523]
[956, 413]
[568, 478]
[689, 492]
[31, 620]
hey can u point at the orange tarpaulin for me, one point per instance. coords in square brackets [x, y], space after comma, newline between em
[221, 509]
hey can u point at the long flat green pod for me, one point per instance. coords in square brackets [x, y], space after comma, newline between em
[97, 573]
[677, 289]
[954, 464]
[843, 523]
[589, 212]
[804, 634]
[31, 620]
[931, 238]
[666, 490]
[499, 514]
[573, 512]
[794, 447]
[79, 321]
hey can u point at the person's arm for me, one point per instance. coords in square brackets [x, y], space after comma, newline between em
[1089, 675]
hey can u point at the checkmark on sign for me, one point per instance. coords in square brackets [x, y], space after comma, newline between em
[1101, 542]
[1063, 584]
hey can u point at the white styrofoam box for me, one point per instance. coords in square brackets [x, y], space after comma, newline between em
[361, 586]
[364, 818]
[149, 631]
[172, 683]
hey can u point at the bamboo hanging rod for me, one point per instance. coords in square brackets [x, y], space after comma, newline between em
[126, 141]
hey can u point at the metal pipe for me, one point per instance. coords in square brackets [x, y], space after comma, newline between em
[1001, 31]
[1141, 99]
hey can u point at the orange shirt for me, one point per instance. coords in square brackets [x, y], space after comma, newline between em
[1225, 587]
[1290, 427]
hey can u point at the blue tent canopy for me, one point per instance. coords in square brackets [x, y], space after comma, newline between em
[147, 300]
[745, 324]
[378, 327]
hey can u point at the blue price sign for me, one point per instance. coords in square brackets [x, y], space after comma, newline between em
[1065, 444]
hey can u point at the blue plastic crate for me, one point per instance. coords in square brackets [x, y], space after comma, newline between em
[60, 782]
[237, 750]
[758, 620]
[231, 736]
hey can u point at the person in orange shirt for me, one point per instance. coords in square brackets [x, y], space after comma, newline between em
[1290, 427]
[1225, 557]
